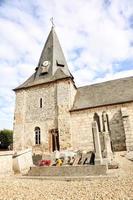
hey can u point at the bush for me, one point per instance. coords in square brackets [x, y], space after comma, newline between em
[6, 138]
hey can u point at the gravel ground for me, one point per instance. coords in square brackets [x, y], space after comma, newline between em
[119, 187]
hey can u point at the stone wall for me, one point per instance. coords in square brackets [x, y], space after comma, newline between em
[6, 163]
[29, 115]
[127, 115]
[57, 99]
[19, 120]
[22, 161]
[65, 94]
[81, 128]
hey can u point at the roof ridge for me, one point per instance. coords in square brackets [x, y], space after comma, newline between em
[108, 81]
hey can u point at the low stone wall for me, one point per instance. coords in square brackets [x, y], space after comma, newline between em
[6, 163]
[22, 161]
[89, 170]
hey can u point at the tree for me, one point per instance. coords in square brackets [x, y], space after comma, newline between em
[6, 138]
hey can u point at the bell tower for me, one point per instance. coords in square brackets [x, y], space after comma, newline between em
[44, 101]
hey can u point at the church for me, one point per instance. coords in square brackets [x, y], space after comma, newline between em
[51, 113]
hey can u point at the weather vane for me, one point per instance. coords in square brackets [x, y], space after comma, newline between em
[52, 21]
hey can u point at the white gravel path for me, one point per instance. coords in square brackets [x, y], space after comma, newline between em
[119, 187]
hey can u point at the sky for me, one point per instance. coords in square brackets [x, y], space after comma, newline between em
[96, 37]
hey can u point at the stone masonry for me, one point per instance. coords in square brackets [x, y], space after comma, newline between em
[29, 115]
[121, 131]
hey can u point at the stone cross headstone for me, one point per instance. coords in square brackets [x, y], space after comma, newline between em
[97, 145]
[107, 143]
[107, 151]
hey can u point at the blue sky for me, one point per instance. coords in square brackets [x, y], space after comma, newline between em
[96, 37]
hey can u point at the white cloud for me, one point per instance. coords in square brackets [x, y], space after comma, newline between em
[94, 35]
[113, 76]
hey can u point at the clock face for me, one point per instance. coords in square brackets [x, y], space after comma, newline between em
[46, 63]
[45, 67]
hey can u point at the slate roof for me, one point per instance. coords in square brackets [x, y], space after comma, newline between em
[30, 82]
[106, 93]
[53, 53]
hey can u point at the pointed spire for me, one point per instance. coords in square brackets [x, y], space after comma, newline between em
[52, 64]
[52, 56]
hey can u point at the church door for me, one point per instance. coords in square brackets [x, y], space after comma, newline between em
[54, 140]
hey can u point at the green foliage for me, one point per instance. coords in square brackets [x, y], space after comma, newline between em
[6, 138]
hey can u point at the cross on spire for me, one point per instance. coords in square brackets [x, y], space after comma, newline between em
[52, 21]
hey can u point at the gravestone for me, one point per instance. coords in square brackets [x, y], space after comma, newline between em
[97, 145]
[77, 159]
[36, 158]
[88, 158]
[85, 158]
[107, 151]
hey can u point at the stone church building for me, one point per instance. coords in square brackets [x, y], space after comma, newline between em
[51, 113]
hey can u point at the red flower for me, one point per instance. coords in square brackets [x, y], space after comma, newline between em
[44, 162]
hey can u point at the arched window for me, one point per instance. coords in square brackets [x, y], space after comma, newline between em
[105, 120]
[40, 102]
[97, 119]
[37, 135]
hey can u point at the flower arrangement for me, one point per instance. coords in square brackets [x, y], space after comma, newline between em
[44, 162]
